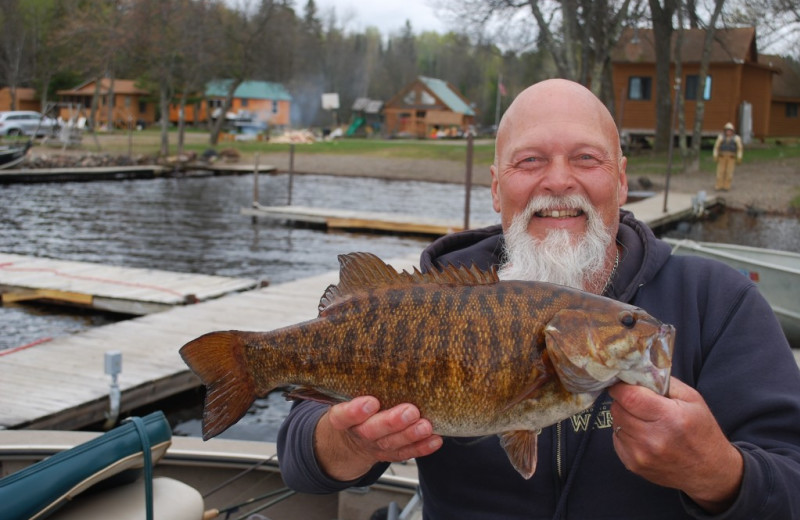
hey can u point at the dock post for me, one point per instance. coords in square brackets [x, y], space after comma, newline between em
[255, 188]
[291, 172]
[672, 140]
[468, 180]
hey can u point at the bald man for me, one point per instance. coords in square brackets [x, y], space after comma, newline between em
[724, 442]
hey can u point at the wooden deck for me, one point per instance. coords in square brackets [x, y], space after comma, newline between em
[650, 211]
[359, 220]
[117, 289]
[61, 384]
[102, 173]
[81, 174]
[223, 168]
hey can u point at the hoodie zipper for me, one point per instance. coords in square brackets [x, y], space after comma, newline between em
[559, 457]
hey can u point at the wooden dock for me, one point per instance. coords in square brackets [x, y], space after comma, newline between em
[61, 384]
[223, 168]
[110, 288]
[359, 220]
[82, 174]
[650, 211]
[104, 173]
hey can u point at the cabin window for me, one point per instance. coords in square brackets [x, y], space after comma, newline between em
[426, 98]
[244, 102]
[693, 86]
[274, 107]
[142, 107]
[791, 109]
[640, 87]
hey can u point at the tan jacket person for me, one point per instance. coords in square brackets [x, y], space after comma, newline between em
[728, 150]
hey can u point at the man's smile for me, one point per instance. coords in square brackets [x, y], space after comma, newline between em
[559, 213]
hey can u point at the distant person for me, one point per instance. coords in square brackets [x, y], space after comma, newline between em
[727, 154]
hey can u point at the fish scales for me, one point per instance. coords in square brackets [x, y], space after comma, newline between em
[477, 356]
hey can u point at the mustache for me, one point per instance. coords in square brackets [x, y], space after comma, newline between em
[541, 204]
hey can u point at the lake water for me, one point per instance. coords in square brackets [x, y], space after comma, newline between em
[194, 225]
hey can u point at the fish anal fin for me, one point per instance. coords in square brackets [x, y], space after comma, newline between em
[521, 448]
[360, 272]
[309, 393]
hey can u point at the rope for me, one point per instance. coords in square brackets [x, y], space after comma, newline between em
[148, 464]
[23, 347]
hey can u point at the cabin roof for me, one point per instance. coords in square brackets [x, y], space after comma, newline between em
[444, 91]
[735, 45]
[785, 84]
[367, 105]
[249, 90]
[121, 86]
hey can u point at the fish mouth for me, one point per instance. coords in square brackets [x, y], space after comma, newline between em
[659, 352]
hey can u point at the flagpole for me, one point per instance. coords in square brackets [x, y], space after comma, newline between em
[497, 103]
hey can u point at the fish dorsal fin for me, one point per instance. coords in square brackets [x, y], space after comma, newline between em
[359, 272]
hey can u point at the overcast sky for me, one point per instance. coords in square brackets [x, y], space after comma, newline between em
[389, 16]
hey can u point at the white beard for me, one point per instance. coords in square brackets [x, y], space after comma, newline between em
[560, 257]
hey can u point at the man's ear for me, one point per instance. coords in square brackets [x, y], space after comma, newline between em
[495, 189]
[623, 180]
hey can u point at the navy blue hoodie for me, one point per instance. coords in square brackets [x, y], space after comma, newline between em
[729, 346]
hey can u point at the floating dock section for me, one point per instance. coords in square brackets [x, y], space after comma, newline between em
[103, 173]
[358, 220]
[124, 290]
[651, 211]
[61, 384]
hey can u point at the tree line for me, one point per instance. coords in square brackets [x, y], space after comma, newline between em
[173, 48]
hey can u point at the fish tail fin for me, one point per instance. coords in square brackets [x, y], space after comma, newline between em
[218, 360]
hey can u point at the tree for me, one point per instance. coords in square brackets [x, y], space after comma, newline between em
[661, 16]
[243, 39]
[13, 36]
[699, 116]
[578, 34]
[105, 43]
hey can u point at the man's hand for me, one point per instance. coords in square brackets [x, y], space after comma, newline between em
[354, 436]
[676, 442]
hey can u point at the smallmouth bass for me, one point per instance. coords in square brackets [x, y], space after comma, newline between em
[478, 356]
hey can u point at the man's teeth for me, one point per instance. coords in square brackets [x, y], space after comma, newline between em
[556, 213]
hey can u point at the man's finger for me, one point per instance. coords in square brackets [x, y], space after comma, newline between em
[352, 413]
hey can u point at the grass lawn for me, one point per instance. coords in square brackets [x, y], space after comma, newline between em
[645, 162]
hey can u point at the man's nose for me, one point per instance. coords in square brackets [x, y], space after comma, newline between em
[559, 177]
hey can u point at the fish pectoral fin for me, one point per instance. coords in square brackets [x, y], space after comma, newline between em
[308, 393]
[521, 448]
[531, 391]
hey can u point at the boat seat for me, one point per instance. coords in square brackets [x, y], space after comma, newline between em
[172, 500]
[40, 489]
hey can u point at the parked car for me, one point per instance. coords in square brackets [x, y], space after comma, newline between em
[26, 122]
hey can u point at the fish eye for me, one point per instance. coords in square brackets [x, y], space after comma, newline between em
[627, 319]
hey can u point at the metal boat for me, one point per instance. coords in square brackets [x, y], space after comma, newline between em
[70, 475]
[11, 155]
[775, 272]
